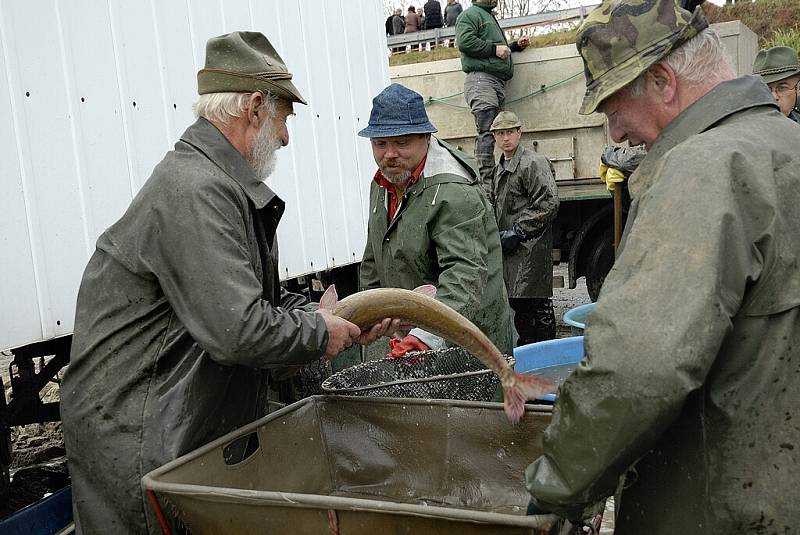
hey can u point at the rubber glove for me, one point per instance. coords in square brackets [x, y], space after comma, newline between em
[510, 240]
[399, 348]
[610, 176]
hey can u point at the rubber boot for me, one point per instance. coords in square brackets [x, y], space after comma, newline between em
[484, 144]
[524, 320]
[544, 319]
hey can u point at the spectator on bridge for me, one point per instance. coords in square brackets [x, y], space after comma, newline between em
[413, 24]
[451, 12]
[433, 18]
[686, 400]
[780, 70]
[433, 15]
[525, 202]
[180, 314]
[486, 58]
[398, 27]
[389, 26]
[430, 223]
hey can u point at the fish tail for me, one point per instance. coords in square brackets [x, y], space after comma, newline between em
[521, 389]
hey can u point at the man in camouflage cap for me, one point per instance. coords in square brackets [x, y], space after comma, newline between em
[180, 313]
[686, 399]
[780, 69]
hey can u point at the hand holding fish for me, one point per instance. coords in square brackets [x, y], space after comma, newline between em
[387, 327]
[419, 308]
[341, 333]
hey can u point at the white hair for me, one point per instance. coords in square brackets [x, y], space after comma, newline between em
[700, 59]
[223, 107]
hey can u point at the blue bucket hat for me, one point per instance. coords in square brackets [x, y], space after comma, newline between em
[397, 111]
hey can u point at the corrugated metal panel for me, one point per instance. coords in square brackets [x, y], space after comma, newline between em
[92, 94]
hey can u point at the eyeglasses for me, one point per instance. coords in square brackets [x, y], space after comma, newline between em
[782, 89]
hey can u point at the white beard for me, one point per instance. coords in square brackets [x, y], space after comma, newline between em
[262, 156]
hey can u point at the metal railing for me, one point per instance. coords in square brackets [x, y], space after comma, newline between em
[538, 19]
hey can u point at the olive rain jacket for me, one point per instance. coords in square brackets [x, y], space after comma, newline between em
[477, 35]
[525, 199]
[178, 313]
[692, 367]
[444, 234]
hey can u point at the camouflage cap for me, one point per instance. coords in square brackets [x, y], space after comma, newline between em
[505, 120]
[775, 64]
[242, 62]
[620, 39]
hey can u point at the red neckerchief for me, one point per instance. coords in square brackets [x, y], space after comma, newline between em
[391, 191]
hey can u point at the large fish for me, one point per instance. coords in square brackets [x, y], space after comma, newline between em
[420, 309]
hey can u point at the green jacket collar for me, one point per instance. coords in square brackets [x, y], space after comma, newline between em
[206, 138]
[483, 6]
[724, 100]
[443, 164]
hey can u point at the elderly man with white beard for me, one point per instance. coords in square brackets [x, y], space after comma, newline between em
[180, 314]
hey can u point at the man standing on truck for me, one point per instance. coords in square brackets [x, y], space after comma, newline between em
[430, 223]
[525, 203]
[486, 58]
[780, 70]
[689, 384]
[180, 313]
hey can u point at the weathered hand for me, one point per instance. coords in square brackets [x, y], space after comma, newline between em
[523, 41]
[341, 333]
[387, 327]
[502, 51]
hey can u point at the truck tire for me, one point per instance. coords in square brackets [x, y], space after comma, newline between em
[600, 261]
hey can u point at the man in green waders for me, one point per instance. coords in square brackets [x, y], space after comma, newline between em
[687, 399]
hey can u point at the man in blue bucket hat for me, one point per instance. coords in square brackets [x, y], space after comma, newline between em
[430, 222]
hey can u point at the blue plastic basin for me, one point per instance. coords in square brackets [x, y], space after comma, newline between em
[576, 318]
[541, 355]
[49, 515]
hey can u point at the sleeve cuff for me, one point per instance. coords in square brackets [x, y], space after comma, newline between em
[429, 339]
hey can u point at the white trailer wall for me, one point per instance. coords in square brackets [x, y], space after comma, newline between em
[93, 93]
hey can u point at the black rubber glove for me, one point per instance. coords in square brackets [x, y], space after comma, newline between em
[510, 240]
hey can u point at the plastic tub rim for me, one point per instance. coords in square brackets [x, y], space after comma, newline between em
[573, 323]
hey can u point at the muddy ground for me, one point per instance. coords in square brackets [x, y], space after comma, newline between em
[39, 464]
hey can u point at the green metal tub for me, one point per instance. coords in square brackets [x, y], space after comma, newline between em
[346, 465]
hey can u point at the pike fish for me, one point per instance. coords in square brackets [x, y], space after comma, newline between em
[419, 308]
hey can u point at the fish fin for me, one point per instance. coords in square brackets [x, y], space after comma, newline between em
[329, 298]
[426, 289]
[524, 388]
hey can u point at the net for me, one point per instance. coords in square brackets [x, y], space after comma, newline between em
[451, 373]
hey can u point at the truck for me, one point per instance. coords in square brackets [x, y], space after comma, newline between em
[92, 97]
[546, 92]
